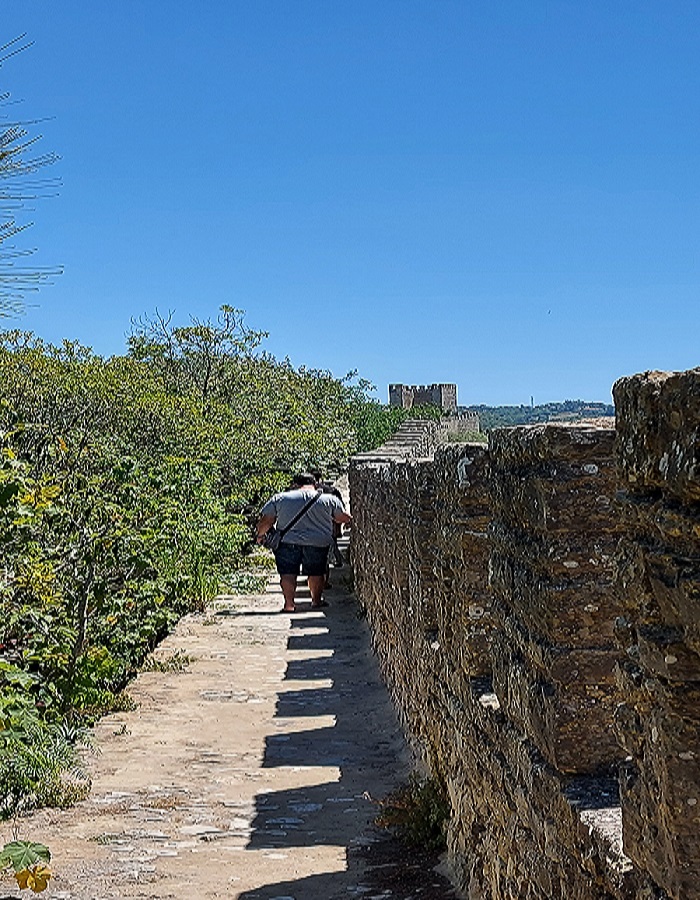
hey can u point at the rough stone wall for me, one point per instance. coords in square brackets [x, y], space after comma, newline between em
[520, 827]
[554, 537]
[658, 454]
[463, 601]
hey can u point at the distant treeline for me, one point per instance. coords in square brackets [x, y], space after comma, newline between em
[569, 410]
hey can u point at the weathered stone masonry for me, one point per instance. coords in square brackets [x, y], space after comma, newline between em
[658, 456]
[535, 608]
[554, 535]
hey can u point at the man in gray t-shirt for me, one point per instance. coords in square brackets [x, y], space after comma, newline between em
[305, 545]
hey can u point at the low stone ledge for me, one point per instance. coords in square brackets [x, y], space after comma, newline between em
[522, 829]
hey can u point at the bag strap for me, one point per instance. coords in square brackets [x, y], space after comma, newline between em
[307, 507]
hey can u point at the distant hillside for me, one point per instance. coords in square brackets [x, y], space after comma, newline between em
[568, 411]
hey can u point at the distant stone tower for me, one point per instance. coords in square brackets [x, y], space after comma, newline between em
[407, 396]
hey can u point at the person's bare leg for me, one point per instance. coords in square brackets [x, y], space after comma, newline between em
[289, 589]
[316, 585]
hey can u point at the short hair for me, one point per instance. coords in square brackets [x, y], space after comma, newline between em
[304, 478]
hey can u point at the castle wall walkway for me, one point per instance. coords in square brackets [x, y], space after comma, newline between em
[254, 773]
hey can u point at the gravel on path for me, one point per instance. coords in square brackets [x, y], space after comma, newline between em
[250, 774]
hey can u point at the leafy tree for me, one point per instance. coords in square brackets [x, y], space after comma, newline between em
[196, 356]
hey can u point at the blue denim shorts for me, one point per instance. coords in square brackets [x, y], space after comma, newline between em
[292, 557]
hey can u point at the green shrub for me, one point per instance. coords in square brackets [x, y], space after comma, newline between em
[419, 811]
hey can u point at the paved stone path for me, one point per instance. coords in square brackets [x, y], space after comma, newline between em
[249, 774]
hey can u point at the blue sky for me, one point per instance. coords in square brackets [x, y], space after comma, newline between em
[501, 194]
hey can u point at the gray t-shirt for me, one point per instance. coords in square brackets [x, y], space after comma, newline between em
[315, 528]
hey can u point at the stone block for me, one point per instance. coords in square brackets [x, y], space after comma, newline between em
[555, 530]
[520, 829]
[575, 611]
[552, 478]
[660, 783]
[658, 433]
[563, 698]
[465, 622]
[658, 566]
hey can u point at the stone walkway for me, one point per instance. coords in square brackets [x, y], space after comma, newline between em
[250, 774]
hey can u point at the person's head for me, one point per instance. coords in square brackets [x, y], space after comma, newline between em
[304, 479]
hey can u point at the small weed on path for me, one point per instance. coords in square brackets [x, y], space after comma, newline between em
[174, 662]
[419, 811]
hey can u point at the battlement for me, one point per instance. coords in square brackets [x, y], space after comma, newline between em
[533, 605]
[407, 396]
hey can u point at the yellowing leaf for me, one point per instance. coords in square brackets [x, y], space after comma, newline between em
[23, 878]
[35, 879]
[41, 879]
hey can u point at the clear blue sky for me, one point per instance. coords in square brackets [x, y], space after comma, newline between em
[500, 193]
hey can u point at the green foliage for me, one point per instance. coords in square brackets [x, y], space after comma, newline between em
[248, 582]
[128, 487]
[28, 861]
[569, 410]
[419, 811]
[23, 854]
[466, 437]
[375, 423]
[39, 766]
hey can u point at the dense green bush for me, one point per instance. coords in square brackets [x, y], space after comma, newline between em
[128, 487]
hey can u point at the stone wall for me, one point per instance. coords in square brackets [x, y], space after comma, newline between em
[658, 456]
[528, 689]
[554, 535]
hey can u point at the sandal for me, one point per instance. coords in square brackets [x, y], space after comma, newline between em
[320, 605]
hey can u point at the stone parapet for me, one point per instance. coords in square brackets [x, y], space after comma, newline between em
[658, 427]
[658, 582]
[463, 599]
[538, 629]
[519, 828]
[554, 538]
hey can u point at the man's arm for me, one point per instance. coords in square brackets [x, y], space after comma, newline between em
[341, 517]
[265, 523]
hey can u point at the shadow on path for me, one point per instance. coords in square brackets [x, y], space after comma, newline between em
[355, 756]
